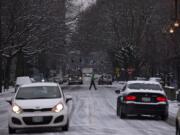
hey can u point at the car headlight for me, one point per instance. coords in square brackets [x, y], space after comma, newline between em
[59, 107]
[16, 109]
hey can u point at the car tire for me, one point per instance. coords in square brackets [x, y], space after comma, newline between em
[11, 130]
[117, 110]
[122, 114]
[66, 127]
[164, 117]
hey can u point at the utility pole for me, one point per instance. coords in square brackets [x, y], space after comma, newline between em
[1, 74]
[176, 9]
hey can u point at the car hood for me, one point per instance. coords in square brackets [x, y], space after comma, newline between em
[37, 103]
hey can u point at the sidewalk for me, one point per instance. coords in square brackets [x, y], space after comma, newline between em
[10, 90]
[173, 109]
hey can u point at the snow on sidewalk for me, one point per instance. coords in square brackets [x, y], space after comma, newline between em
[6, 91]
[173, 108]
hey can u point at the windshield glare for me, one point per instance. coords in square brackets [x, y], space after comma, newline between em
[40, 92]
[139, 86]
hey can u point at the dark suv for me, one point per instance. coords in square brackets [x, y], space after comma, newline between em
[75, 79]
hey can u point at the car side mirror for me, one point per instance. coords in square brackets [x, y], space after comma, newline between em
[9, 100]
[117, 91]
[68, 98]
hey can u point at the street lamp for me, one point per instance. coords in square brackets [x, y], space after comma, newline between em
[171, 30]
[176, 24]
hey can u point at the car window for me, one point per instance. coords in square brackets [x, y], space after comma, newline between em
[40, 92]
[138, 86]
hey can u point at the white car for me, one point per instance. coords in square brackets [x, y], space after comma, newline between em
[156, 79]
[39, 105]
[178, 123]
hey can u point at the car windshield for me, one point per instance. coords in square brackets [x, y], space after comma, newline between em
[40, 92]
[144, 86]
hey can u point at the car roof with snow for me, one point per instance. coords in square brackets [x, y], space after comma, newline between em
[146, 90]
[40, 84]
[145, 82]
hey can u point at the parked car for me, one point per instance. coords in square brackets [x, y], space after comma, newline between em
[105, 79]
[142, 98]
[58, 80]
[75, 79]
[65, 78]
[21, 80]
[141, 78]
[156, 79]
[178, 123]
[39, 105]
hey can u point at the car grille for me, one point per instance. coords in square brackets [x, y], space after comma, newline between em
[45, 120]
[37, 110]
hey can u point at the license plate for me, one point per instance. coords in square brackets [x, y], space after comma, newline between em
[146, 99]
[37, 119]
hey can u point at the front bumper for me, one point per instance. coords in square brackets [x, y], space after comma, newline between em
[38, 119]
[146, 109]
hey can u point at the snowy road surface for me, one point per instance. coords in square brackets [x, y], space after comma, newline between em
[94, 113]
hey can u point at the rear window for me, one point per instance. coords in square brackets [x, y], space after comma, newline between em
[144, 86]
[40, 92]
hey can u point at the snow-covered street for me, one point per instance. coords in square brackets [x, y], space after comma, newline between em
[94, 113]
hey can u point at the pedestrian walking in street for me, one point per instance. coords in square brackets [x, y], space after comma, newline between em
[92, 82]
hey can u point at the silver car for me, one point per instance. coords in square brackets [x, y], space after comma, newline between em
[178, 123]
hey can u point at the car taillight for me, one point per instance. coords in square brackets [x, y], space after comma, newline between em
[161, 99]
[130, 98]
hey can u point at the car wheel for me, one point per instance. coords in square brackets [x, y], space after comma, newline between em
[122, 115]
[117, 110]
[66, 127]
[11, 130]
[164, 117]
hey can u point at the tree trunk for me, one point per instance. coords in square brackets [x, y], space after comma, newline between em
[20, 64]
[178, 76]
[1, 74]
[7, 73]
